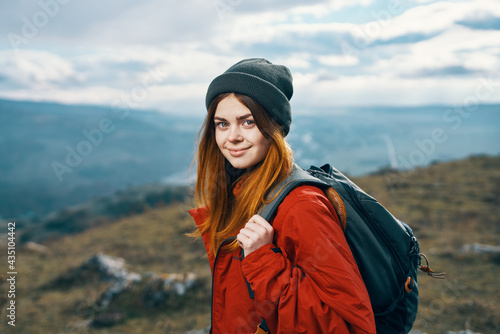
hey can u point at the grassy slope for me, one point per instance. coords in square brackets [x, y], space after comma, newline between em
[448, 205]
[151, 242]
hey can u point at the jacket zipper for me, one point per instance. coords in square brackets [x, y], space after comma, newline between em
[213, 280]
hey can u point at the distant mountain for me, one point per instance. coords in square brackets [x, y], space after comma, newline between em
[364, 139]
[55, 155]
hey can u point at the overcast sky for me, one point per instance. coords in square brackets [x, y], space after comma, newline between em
[162, 54]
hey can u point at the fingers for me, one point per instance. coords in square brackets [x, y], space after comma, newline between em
[256, 233]
[257, 227]
[250, 234]
[243, 240]
[254, 230]
[260, 222]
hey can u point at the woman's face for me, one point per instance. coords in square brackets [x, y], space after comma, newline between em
[237, 135]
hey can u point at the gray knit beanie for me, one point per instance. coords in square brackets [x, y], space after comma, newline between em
[268, 84]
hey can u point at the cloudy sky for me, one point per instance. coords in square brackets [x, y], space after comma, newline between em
[162, 54]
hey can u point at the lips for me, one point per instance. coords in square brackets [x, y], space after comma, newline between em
[238, 152]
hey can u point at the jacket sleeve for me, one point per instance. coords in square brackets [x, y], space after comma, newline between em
[199, 215]
[311, 283]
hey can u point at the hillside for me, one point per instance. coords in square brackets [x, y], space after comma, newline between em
[99, 210]
[453, 209]
[153, 242]
[56, 155]
[450, 206]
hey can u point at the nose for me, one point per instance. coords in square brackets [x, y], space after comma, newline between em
[234, 134]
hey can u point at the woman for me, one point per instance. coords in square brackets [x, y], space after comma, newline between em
[295, 272]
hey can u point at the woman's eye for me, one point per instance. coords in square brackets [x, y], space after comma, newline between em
[249, 122]
[221, 125]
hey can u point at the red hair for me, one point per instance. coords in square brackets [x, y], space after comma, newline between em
[227, 213]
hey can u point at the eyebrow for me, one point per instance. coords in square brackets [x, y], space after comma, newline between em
[239, 118]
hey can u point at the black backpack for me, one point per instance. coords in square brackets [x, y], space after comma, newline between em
[385, 249]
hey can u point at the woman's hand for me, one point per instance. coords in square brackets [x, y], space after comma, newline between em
[256, 233]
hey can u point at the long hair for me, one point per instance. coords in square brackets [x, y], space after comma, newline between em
[228, 213]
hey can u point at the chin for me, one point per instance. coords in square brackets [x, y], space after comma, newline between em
[239, 165]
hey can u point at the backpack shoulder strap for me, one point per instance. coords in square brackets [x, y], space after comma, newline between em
[297, 177]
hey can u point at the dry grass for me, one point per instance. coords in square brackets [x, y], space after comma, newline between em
[152, 242]
[448, 205]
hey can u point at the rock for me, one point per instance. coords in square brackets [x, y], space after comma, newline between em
[179, 283]
[99, 267]
[34, 247]
[154, 289]
[111, 269]
[161, 287]
[199, 331]
[477, 248]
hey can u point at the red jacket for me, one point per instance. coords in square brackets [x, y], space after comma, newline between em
[306, 282]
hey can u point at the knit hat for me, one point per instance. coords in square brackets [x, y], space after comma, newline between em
[268, 84]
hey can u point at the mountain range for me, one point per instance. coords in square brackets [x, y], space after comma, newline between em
[56, 155]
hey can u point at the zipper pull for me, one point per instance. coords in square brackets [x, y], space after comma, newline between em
[427, 269]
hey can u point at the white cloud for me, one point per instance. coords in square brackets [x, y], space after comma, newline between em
[112, 22]
[458, 46]
[98, 95]
[157, 21]
[94, 52]
[30, 68]
[336, 60]
[322, 9]
[382, 90]
[164, 79]
[300, 61]
[432, 18]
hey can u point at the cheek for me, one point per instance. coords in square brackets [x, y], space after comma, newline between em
[219, 139]
[266, 144]
[263, 144]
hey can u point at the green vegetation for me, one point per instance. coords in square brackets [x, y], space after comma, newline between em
[448, 205]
